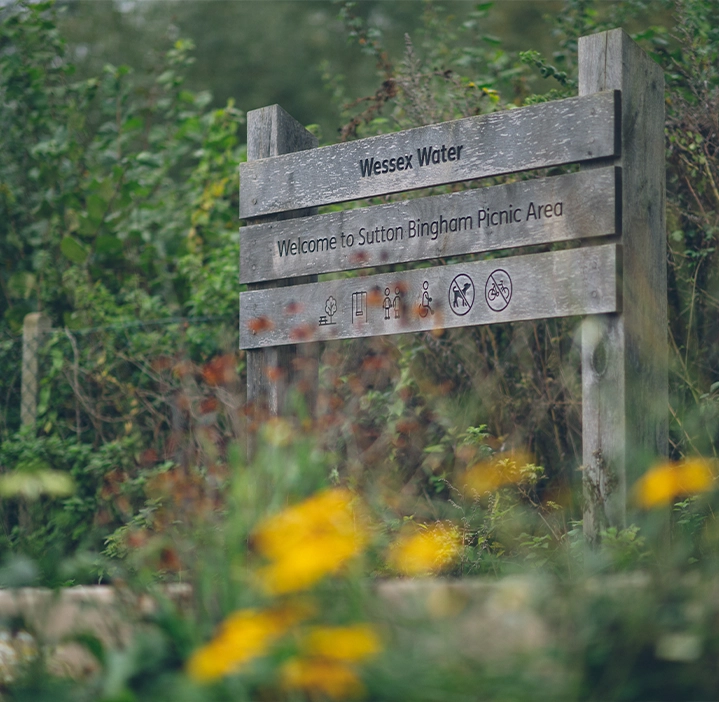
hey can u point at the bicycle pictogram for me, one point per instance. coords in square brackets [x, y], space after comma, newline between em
[498, 290]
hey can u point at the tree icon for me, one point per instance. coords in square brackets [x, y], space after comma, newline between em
[331, 307]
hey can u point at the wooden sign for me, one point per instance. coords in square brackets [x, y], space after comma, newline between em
[541, 211]
[538, 136]
[613, 130]
[538, 286]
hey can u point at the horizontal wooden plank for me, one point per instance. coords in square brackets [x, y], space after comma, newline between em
[538, 136]
[555, 284]
[540, 211]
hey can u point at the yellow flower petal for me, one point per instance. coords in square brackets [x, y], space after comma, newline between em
[243, 636]
[328, 512]
[330, 678]
[307, 564]
[665, 482]
[657, 486]
[696, 475]
[427, 551]
[307, 541]
[490, 475]
[481, 478]
[345, 643]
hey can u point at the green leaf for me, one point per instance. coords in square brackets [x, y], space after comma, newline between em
[86, 226]
[133, 123]
[109, 245]
[43, 400]
[72, 249]
[96, 208]
[148, 159]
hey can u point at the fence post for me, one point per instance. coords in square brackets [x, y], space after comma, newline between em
[272, 371]
[624, 355]
[35, 325]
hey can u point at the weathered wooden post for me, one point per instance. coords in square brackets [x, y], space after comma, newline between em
[35, 325]
[271, 371]
[624, 355]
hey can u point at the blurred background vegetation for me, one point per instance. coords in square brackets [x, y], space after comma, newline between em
[282, 51]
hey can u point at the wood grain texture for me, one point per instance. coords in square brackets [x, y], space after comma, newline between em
[539, 211]
[272, 371]
[538, 136]
[624, 357]
[536, 286]
[272, 132]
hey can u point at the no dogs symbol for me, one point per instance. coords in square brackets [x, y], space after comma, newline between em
[461, 294]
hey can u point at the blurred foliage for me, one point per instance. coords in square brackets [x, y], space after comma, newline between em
[111, 186]
[118, 203]
[259, 53]
[630, 624]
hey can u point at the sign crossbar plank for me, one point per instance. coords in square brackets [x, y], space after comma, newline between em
[538, 136]
[540, 211]
[537, 286]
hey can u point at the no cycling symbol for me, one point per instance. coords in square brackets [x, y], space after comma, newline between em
[498, 290]
[461, 294]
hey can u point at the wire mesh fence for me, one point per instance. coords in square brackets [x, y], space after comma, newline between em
[154, 378]
[171, 395]
[165, 380]
[151, 422]
[10, 382]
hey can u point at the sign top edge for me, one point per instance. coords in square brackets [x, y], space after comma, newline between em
[470, 148]
[414, 130]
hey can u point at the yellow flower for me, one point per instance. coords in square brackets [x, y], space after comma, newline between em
[243, 636]
[324, 668]
[667, 481]
[342, 643]
[483, 477]
[307, 541]
[427, 551]
[697, 475]
[326, 677]
[501, 469]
